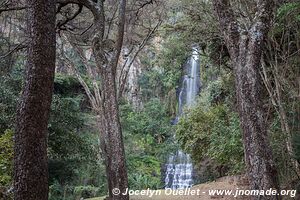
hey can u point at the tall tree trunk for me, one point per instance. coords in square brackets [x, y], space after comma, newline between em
[111, 133]
[258, 154]
[112, 140]
[245, 48]
[30, 162]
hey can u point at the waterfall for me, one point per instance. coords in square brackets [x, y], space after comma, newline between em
[179, 168]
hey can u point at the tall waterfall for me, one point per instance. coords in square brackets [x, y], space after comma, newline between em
[179, 168]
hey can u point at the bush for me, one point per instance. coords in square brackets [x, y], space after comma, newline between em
[147, 138]
[86, 191]
[6, 158]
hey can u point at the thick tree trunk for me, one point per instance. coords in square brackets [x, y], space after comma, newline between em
[245, 48]
[258, 154]
[111, 139]
[30, 162]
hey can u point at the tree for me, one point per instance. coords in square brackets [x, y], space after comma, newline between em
[108, 73]
[107, 112]
[30, 161]
[111, 134]
[245, 47]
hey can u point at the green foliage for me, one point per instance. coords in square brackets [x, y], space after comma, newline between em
[150, 126]
[86, 191]
[278, 143]
[56, 192]
[144, 172]
[151, 83]
[286, 170]
[164, 71]
[66, 85]
[289, 9]
[67, 138]
[6, 157]
[212, 133]
[193, 20]
[7, 61]
[10, 87]
[217, 90]
[285, 31]
[73, 146]
[283, 72]
[171, 58]
[147, 138]
[226, 139]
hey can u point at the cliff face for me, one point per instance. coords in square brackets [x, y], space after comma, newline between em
[133, 95]
[129, 71]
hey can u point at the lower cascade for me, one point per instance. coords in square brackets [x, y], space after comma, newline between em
[179, 171]
[179, 168]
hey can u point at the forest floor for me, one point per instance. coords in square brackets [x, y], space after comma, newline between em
[201, 191]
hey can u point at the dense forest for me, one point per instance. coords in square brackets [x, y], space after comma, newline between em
[102, 97]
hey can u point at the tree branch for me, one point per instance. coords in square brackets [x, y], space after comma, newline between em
[12, 9]
[120, 33]
[88, 92]
[124, 73]
[91, 5]
[16, 48]
[68, 19]
[228, 23]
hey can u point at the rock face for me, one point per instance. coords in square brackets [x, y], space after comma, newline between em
[133, 90]
[129, 71]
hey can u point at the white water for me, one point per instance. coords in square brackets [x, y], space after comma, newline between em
[179, 169]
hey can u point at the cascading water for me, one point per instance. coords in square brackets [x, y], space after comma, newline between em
[179, 168]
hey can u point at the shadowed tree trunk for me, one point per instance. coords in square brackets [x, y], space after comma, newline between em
[111, 139]
[30, 162]
[245, 48]
[111, 135]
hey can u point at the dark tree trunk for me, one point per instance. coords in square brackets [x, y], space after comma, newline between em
[245, 48]
[258, 153]
[30, 162]
[110, 128]
[112, 139]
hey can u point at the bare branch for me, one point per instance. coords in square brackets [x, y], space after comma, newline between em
[12, 9]
[87, 3]
[68, 19]
[141, 6]
[110, 22]
[126, 67]
[91, 72]
[16, 48]
[88, 92]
